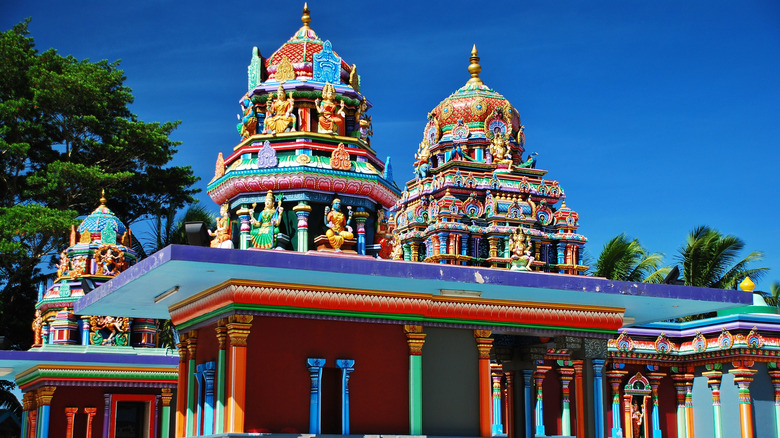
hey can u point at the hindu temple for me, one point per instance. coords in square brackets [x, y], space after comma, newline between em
[330, 301]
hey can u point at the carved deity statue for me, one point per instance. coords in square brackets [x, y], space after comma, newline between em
[279, 115]
[331, 115]
[64, 266]
[248, 125]
[222, 235]
[499, 147]
[37, 326]
[265, 225]
[422, 164]
[338, 225]
[520, 245]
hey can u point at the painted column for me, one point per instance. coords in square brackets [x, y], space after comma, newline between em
[415, 338]
[165, 417]
[566, 376]
[107, 415]
[238, 329]
[192, 348]
[219, 410]
[302, 210]
[44, 395]
[529, 420]
[85, 330]
[509, 404]
[407, 252]
[615, 378]
[315, 404]
[181, 393]
[33, 424]
[541, 370]
[484, 344]
[598, 395]
[655, 381]
[25, 432]
[245, 227]
[157, 415]
[579, 402]
[443, 236]
[346, 366]
[70, 413]
[713, 381]
[199, 393]
[682, 423]
[774, 374]
[360, 217]
[498, 425]
[91, 416]
[209, 370]
[742, 378]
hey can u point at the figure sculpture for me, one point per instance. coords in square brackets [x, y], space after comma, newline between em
[331, 115]
[37, 326]
[265, 225]
[498, 147]
[279, 115]
[422, 165]
[520, 245]
[248, 125]
[338, 225]
[222, 236]
[530, 163]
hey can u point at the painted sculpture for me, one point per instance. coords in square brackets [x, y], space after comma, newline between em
[332, 115]
[248, 125]
[222, 235]
[265, 225]
[279, 117]
[338, 225]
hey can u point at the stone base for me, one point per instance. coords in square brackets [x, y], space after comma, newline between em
[322, 244]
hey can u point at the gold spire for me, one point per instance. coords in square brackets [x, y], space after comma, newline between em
[474, 68]
[306, 17]
[747, 285]
[103, 198]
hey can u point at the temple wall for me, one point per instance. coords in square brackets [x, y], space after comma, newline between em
[79, 397]
[207, 344]
[450, 393]
[552, 407]
[763, 395]
[278, 382]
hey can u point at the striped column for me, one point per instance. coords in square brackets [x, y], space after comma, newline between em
[70, 414]
[775, 376]
[192, 348]
[165, 416]
[219, 409]
[415, 338]
[238, 329]
[541, 370]
[681, 384]
[566, 376]
[26, 406]
[498, 425]
[579, 402]
[742, 378]
[598, 396]
[615, 378]
[655, 381]
[181, 393]
[302, 210]
[713, 381]
[484, 345]
[44, 396]
[315, 404]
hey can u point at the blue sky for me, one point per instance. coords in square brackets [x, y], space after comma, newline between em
[655, 117]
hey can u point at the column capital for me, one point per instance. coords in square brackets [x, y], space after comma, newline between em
[238, 329]
[598, 366]
[167, 396]
[484, 343]
[192, 343]
[44, 395]
[566, 374]
[181, 347]
[415, 338]
[221, 330]
[743, 376]
[578, 366]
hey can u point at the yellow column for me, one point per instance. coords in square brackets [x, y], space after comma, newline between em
[238, 329]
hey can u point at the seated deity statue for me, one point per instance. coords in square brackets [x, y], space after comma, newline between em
[265, 225]
[279, 115]
[338, 225]
[520, 245]
[499, 147]
[331, 115]
[222, 236]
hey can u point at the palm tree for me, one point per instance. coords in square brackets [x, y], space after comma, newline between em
[8, 399]
[626, 260]
[711, 259]
[773, 297]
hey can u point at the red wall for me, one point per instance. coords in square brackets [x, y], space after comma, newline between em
[278, 382]
[207, 344]
[551, 391]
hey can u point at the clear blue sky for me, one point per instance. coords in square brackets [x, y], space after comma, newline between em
[654, 116]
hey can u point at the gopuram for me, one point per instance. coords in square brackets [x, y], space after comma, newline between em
[330, 301]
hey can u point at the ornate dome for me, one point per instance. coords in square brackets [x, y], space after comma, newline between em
[100, 220]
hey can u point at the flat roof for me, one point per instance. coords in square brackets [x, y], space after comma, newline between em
[194, 269]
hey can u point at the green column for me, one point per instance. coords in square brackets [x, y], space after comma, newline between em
[165, 415]
[219, 418]
[415, 338]
[192, 342]
[302, 210]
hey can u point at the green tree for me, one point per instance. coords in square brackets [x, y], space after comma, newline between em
[8, 399]
[711, 259]
[66, 132]
[626, 260]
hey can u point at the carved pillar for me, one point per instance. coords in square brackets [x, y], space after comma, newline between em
[107, 415]
[181, 392]
[774, 374]
[493, 242]
[509, 404]
[407, 251]
[26, 407]
[529, 419]
[91, 416]
[245, 227]
[219, 410]
[315, 404]
[192, 348]
[541, 370]
[33, 429]
[415, 248]
[70, 413]
[598, 395]
[484, 344]
[85, 330]
[302, 210]
[360, 217]
[566, 376]
[207, 371]
[415, 338]
[44, 396]
[655, 381]
[498, 425]
[742, 378]
[346, 366]
[683, 384]
[713, 381]
[615, 378]
[579, 402]
[443, 236]
[165, 417]
[238, 329]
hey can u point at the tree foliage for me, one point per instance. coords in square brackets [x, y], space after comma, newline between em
[66, 133]
[626, 260]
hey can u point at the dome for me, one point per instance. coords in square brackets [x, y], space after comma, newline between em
[102, 219]
[296, 58]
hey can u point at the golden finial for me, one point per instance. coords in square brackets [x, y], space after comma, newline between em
[474, 68]
[103, 198]
[306, 17]
[747, 285]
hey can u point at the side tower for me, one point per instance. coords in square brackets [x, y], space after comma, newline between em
[475, 200]
[304, 175]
